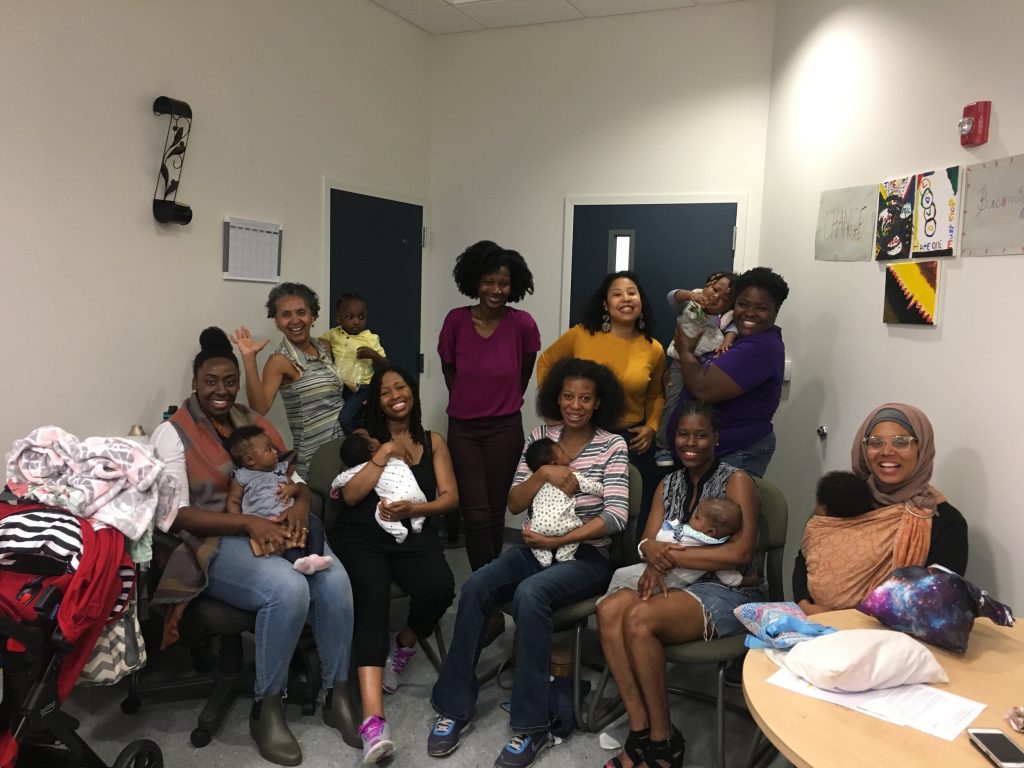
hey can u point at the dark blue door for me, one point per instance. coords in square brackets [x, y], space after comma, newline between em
[376, 251]
[676, 246]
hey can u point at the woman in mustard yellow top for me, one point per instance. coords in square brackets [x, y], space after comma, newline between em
[617, 330]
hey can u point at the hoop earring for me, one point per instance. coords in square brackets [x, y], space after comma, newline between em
[640, 324]
[606, 323]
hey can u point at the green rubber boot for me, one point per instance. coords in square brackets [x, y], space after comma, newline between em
[339, 705]
[269, 730]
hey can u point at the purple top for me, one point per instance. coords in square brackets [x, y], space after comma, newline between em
[488, 372]
[755, 363]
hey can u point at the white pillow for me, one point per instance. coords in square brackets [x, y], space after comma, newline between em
[852, 660]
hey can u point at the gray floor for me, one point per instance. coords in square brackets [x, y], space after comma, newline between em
[107, 729]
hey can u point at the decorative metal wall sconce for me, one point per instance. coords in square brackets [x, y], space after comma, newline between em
[166, 209]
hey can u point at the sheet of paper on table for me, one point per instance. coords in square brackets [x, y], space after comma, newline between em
[923, 707]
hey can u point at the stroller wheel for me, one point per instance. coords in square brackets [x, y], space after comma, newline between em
[200, 737]
[130, 705]
[140, 754]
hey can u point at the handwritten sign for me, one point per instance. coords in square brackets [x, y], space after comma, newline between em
[846, 224]
[993, 219]
[936, 213]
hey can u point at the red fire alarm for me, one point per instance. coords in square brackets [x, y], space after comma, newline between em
[974, 123]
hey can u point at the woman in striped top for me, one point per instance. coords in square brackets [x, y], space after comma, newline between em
[301, 368]
[587, 399]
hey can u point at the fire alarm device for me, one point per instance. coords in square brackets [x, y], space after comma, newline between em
[974, 123]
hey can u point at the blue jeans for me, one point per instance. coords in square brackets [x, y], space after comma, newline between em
[535, 592]
[282, 599]
[351, 414]
[754, 458]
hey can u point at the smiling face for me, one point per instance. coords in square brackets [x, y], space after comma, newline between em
[396, 398]
[494, 288]
[719, 296]
[622, 302]
[351, 316]
[891, 466]
[261, 454]
[577, 402]
[293, 318]
[695, 441]
[754, 311]
[216, 386]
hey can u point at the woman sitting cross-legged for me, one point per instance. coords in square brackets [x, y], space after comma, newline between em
[588, 400]
[216, 552]
[664, 607]
[374, 557]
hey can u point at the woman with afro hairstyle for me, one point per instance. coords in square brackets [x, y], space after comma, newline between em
[487, 354]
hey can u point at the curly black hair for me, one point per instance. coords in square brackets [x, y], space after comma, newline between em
[374, 418]
[213, 344]
[539, 453]
[238, 441]
[608, 413]
[304, 292]
[593, 312]
[486, 258]
[843, 494]
[355, 450]
[766, 279]
[345, 298]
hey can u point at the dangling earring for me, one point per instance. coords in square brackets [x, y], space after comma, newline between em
[606, 323]
[640, 324]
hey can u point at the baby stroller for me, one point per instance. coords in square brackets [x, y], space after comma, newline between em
[60, 583]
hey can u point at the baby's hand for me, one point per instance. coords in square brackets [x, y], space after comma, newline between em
[726, 343]
[287, 491]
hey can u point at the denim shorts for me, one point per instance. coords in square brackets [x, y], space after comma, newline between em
[718, 602]
[754, 458]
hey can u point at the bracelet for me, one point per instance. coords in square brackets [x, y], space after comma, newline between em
[639, 551]
[379, 466]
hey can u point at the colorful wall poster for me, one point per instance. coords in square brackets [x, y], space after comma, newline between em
[993, 203]
[845, 229]
[935, 213]
[911, 293]
[895, 224]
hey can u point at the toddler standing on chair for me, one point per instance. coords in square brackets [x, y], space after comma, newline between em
[357, 352]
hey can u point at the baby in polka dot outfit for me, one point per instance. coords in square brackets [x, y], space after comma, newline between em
[396, 483]
[553, 513]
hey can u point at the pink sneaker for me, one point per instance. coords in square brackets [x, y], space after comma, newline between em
[310, 564]
[398, 658]
[376, 736]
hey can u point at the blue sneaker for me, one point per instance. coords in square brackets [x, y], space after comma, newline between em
[523, 749]
[663, 458]
[445, 736]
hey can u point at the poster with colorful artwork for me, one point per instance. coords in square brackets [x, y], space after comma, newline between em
[895, 224]
[993, 203]
[911, 293]
[846, 224]
[935, 213]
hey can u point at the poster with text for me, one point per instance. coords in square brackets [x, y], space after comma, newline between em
[911, 293]
[845, 229]
[895, 224]
[993, 203]
[935, 213]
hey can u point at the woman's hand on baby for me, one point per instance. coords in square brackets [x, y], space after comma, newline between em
[563, 478]
[644, 436]
[247, 345]
[295, 521]
[658, 554]
[271, 536]
[389, 450]
[396, 510]
[651, 582]
[684, 344]
[536, 540]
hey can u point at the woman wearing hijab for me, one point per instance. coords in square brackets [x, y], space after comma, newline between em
[842, 559]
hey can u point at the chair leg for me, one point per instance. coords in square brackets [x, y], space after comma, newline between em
[720, 718]
[577, 677]
[761, 751]
[597, 716]
[436, 657]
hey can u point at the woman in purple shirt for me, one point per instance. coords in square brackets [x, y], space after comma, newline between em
[745, 382]
[487, 354]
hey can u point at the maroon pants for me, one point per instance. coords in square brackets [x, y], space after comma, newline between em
[485, 453]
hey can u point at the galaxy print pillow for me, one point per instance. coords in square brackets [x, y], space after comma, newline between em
[934, 605]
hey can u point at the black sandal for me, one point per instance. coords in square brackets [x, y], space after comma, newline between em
[636, 743]
[665, 754]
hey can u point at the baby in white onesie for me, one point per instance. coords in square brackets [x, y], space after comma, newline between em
[396, 483]
[712, 522]
[552, 512]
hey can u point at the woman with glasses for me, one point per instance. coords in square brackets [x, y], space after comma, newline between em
[842, 559]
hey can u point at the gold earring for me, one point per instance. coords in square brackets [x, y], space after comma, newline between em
[606, 323]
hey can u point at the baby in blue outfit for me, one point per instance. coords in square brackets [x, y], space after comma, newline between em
[260, 486]
[712, 522]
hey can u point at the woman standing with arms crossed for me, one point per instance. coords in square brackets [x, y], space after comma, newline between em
[487, 354]
[301, 368]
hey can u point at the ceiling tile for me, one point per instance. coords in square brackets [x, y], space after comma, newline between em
[401, 6]
[441, 21]
[514, 13]
[616, 7]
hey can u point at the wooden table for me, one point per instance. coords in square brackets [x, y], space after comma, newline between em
[815, 734]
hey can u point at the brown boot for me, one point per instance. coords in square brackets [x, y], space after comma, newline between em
[269, 730]
[338, 711]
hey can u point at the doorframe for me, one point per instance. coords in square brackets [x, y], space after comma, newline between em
[332, 182]
[740, 258]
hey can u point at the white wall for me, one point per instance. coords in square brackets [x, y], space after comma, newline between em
[656, 103]
[866, 91]
[103, 306]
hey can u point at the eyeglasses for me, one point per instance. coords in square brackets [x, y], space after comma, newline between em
[898, 442]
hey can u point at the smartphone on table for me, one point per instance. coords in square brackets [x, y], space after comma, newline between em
[997, 747]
